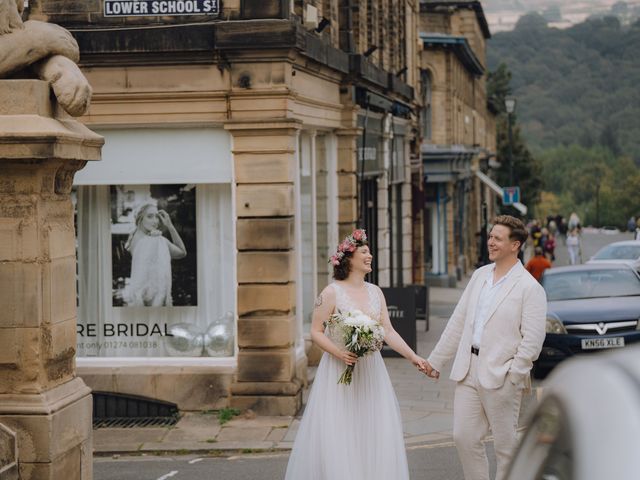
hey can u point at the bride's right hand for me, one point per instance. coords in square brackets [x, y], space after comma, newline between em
[348, 357]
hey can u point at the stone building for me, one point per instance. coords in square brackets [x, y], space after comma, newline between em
[256, 126]
[458, 136]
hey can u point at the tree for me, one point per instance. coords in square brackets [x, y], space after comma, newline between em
[527, 171]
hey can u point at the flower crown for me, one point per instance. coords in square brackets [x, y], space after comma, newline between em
[349, 244]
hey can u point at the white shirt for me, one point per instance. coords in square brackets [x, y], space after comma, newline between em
[488, 294]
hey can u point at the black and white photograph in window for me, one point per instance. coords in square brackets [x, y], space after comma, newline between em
[153, 245]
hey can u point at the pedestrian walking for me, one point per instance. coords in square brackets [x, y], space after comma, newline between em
[573, 245]
[574, 221]
[538, 264]
[495, 333]
[550, 247]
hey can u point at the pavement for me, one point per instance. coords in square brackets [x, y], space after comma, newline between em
[426, 406]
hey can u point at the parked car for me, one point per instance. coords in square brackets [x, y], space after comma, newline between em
[587, 422]
[627, 252]
[609, 230]
[590, 307]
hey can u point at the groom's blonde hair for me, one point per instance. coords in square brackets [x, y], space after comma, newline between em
[518, 230]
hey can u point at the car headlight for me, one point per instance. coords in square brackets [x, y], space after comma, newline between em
[555, 326]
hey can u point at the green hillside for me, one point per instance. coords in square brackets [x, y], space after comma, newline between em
[575, 86]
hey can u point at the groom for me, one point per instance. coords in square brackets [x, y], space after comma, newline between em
[495, 334]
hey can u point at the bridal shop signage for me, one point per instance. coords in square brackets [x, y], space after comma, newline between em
[154, 265]
[401, 305]
[153, 246]
[127, 8]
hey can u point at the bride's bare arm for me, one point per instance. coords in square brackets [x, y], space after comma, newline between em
[324, 307]
[395, 341]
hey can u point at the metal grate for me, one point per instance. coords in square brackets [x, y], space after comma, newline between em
[125, 422]
[129, 411]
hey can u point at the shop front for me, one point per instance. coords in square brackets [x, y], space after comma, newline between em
[157, 265]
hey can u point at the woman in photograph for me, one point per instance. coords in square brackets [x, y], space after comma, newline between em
[351, 431]
[151, 255]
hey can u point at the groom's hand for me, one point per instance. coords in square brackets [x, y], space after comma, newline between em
[430, 371]
[420, 363]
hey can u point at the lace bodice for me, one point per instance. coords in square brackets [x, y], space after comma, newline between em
[345, 303]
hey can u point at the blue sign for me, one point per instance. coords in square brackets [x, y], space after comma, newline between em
[510, 195]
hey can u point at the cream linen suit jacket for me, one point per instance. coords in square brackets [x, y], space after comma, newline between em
[512, 336]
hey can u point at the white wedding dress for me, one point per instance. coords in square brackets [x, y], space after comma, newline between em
[350, 432]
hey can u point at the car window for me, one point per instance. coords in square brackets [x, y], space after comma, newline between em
[591, 284]
[618, 252]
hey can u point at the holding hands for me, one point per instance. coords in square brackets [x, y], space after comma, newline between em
[425, 367]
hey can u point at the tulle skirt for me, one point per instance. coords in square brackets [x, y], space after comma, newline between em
[352, 431]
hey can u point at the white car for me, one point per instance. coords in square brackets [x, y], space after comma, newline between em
[627, 251]
[587, 423]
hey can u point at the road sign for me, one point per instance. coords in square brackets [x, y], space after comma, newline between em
[510, 195]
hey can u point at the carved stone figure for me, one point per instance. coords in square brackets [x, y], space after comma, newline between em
[45, 50]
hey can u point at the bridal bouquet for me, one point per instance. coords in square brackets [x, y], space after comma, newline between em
[361, 335]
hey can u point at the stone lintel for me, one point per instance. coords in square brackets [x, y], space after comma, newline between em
[237, 127]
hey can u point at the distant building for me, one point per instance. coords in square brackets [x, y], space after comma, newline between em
[458, 137]
[267, 130]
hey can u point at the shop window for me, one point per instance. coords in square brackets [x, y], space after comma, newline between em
[155, 270]
[318, 216]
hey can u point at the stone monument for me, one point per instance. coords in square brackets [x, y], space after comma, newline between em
[45, 409]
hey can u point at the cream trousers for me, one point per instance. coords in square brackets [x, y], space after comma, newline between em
[478, 411]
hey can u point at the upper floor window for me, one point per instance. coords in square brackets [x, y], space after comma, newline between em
[427, 114]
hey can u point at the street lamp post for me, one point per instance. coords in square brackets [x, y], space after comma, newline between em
[510, 106]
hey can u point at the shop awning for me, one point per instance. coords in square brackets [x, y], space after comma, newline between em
[141, 156]
[522, 208]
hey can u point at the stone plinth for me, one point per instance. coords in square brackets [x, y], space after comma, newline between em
[41, 399]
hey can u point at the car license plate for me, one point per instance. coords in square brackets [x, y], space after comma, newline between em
[594, 343]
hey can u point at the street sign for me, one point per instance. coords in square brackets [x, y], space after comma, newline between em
[510, 195]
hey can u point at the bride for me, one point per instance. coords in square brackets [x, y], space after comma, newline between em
[351, 431]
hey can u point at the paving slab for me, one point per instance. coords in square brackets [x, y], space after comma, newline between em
[240, 434]
[260, 421]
